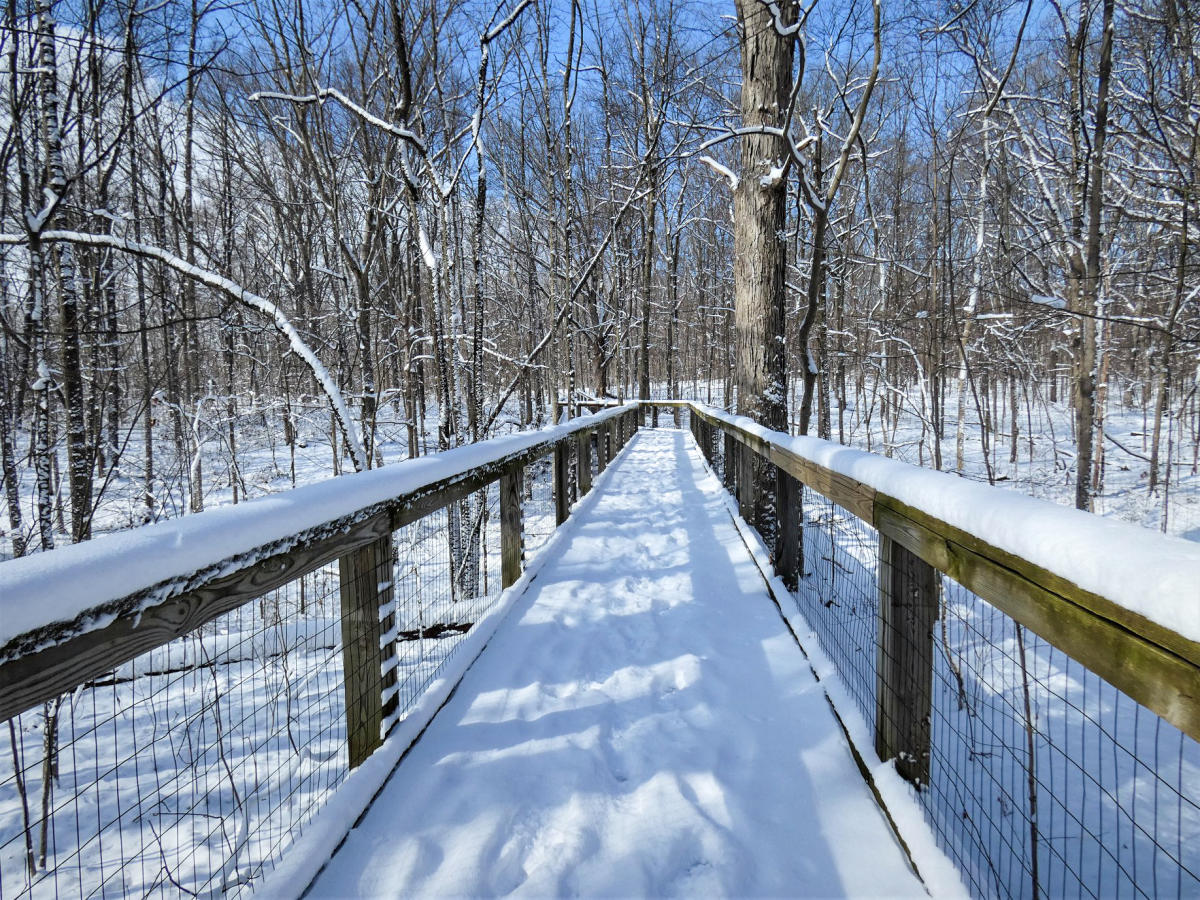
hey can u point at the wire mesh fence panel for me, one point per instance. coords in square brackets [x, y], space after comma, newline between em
[839, 592]
[719, 461]
[538, 504]
[187, 769]
[1037, 776]
[490, 577]
[443, 586]
[1041, 777]
[1085, 792]
[191, 768]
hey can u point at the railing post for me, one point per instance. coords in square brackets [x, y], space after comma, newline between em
[512, 537]
[745, 483]
[583, 462]
[729, 467]
[788, 558]
[601, 448]
[562, 499]
[365, 577]
[908, 610]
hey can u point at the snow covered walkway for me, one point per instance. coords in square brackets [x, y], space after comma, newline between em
[642, 724]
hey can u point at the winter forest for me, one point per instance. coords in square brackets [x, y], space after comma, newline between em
[247, 244]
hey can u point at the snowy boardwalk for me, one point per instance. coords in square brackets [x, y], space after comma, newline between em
[642, 724]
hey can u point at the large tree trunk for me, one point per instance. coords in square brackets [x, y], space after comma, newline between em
[759, 215]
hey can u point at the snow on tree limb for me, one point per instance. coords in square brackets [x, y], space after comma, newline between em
[501, 27]
[237, 292]
[721, 170]
[323, 94]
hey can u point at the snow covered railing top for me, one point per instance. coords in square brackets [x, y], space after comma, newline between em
[128, 586]
[1122, 600]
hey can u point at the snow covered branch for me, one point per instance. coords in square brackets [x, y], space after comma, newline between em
[236, 292]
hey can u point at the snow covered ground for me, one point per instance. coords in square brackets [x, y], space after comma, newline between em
[639, 689]
[642, 724]
[1044, 467]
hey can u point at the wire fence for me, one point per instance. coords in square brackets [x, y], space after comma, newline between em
[538, 504]
[1041, 778]
[184, 769]
[192, 768]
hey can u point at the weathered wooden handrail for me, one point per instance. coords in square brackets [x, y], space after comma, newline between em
[1077, 590]
[73, 614]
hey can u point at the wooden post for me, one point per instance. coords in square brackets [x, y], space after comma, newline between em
[729, 465]
[512, 537]
[583, 461]
[562, 499]
[365, 577]
[908, 610]
[787, 537]
[709, 436]
[745, 482]
[601, 448]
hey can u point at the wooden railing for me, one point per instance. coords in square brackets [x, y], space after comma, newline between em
[55, 658]
[1151, 662]
[125, 597]
[131, 595]
[1035, 764]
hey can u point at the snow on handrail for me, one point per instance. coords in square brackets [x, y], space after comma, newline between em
[1122, 600]
[1148, 573]
[73, 589]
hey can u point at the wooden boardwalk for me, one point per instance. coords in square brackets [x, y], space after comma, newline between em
[642, 724]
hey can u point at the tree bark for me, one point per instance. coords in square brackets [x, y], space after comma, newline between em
[759, 217]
